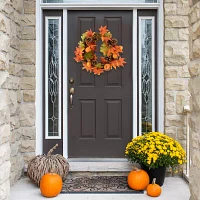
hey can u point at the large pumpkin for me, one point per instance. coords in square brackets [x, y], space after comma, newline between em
[43, 164]
[154, 190]
[138, 179]
[50, 185]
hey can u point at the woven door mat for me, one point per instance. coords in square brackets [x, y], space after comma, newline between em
[98, 184]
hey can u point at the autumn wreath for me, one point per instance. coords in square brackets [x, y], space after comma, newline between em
[85, 52]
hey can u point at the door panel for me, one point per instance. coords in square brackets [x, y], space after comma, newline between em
[100, 122]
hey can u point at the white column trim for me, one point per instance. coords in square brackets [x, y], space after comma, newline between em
[65, 86]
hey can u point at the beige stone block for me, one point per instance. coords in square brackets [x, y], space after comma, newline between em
[5, 115]
[4, 24]
[182, 99]
[15, 135]
[15, 43]
[183, 72]
[4, 171]
[171, 71]
[175, 120]
[4, 152]
[196, 158]
[14, 122]
[28, 146]
[183, 34]
[29, 95]
[194, 182]
[27, 114]
[28, 20]
[196, 48]
[14, 56]
[196, 30]
[170, 108]
[6, 6]
[170, 1]
[170, 9]
[195, 14]
[29, 70]
[13, 102]
[15, 69]
[15, 148]
[171, 34]
[4, 133]
[169, 96]
[176, 53]
[4, 100]
[4, 61]
[5, 190]
[12, 82]
[19, 96]
[176, 21]
[28, 33]
[171, 131]
[181, 133]
[28, 157]
[28, 52]
[176, 84]
[194, 67]
[29, 7]
[5, 42]
[183, 11]
[27, 83]
[28, 133]
[16, 168]
[18, 5]
[194, 89]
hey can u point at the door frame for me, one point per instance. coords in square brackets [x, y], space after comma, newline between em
[39, 75]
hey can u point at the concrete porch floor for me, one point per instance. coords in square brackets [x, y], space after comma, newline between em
[174, 188]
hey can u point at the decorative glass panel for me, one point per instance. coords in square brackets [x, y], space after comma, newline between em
[100, 1]
[146, 78]
[52, 74]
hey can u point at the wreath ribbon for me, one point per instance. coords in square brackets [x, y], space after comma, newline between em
[86, 51]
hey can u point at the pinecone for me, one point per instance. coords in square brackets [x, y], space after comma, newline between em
[112, 42]
[88, 40]
[95, 37]
[93, 62]
[108, 58]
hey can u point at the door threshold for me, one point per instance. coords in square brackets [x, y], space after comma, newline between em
[100, 165]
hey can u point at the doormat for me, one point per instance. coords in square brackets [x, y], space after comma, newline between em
[98, 184]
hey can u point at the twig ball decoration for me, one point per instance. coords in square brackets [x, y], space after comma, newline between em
[43, 164]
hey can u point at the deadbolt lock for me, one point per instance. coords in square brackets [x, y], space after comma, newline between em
[71, 80]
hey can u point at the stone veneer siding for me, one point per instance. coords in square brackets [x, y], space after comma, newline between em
[194, 87]
[17, 89]
[176, 60]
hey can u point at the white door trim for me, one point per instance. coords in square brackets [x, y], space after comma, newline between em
[39, 73]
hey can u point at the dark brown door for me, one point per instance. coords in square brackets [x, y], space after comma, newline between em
[100, 122]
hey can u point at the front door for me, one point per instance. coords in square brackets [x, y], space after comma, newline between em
[100, 121]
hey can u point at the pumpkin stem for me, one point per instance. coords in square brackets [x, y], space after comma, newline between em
[154, 181]
[135, 168]
[51, 150]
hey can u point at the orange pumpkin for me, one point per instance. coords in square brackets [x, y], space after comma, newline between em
[50, 185]
[138, 179]
[154, 190]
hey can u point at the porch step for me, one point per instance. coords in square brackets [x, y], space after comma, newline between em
[100, 166]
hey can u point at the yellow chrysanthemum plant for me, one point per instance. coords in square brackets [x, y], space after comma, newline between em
[155, 149]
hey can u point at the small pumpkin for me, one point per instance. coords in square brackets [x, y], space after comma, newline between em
[138, 179]
[154, 190]
[43, 164]
[50, 185]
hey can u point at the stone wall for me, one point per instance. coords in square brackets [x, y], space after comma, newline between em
[176, 60]
[17, 89]
[194, 86]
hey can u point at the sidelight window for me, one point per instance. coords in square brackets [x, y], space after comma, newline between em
[146, 74]
[53, 78]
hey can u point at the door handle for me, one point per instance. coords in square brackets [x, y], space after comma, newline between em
[71, 92]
